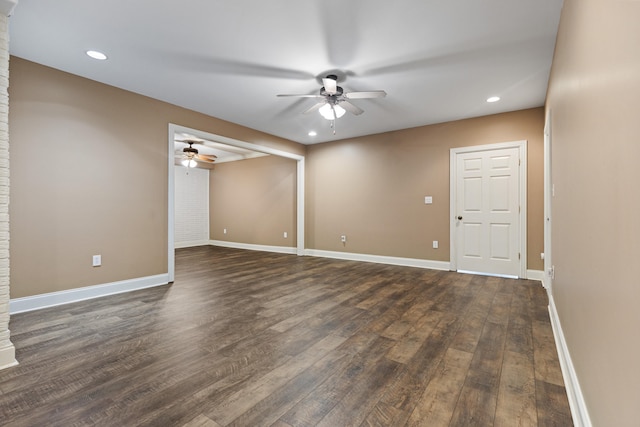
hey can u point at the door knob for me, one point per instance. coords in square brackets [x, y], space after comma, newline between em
[459, 218]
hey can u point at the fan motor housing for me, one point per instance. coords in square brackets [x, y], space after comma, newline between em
[339, 91]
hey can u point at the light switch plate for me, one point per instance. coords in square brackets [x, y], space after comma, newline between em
[428, 200]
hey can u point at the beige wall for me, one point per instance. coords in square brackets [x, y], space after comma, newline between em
[593, 98]
[89, 176]
[255, 200]
[372, 188]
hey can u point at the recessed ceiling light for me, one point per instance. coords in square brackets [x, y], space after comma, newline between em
[312, 133]
[493, 99]
[97, 55]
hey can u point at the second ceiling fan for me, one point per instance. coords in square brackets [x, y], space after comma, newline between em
[190, 156]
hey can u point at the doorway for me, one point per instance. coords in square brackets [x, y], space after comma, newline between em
[488, 209]
[173, 129]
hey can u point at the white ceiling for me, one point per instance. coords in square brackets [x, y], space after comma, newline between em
[438, 60]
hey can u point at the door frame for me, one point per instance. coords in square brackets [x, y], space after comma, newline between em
[547, 280]
[300, 185]
[522, 192]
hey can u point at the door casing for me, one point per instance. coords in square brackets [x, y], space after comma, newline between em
[548, 197]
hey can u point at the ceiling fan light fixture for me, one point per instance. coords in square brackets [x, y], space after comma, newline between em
[189, 163]
[327, 112]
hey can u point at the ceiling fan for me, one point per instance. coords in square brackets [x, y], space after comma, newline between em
[334, 101]
[190, 156]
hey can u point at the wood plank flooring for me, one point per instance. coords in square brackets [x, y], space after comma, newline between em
[247, 338]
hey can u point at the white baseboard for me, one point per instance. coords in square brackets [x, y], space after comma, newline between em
[179, 245]
[37, 302]
[407, 262]
[535, 275]
[252, 247]
[572, 385]
[8, 356]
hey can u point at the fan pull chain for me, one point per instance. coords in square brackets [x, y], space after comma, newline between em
[335, 116]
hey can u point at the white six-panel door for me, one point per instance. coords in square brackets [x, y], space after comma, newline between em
[487, 229]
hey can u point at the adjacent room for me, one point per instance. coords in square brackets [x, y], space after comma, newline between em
[319, 213]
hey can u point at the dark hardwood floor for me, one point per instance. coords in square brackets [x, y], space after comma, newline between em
[248, 338]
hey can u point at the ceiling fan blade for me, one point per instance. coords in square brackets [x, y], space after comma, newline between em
[199, 158]
[315, 107]
[369, 94]
[207, 156]
[301, 96]
[351, 108]
[330, 86]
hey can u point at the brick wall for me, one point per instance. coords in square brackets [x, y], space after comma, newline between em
[7, 350]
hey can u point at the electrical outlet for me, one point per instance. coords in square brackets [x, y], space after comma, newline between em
[343, 238]
[435, 244]
[97, 260]
[285, 235]
[224, 231]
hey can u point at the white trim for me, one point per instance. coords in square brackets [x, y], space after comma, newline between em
[37, 302]
[579, 411]
[545, 282]
[191, 244]
[522, 178]
[300, 185]
[480, 273]
[379, 259]
[300, 212]
[548, 200]
[171, 206]
[536, 275]
[9, 353]
[252, 247]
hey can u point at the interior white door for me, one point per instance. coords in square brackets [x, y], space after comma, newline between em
[487, 218]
